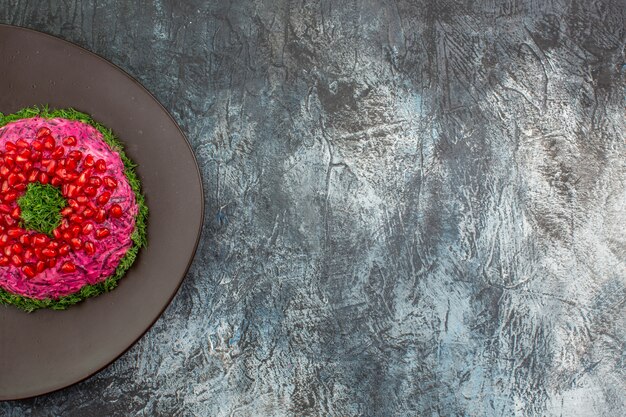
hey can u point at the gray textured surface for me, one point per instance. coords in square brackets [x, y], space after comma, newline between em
[413, 208]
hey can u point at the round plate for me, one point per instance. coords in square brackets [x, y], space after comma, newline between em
[48, 350]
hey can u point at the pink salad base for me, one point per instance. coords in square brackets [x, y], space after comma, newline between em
[89, 269]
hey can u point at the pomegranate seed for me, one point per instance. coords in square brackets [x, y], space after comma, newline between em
[66, 236]
[64, 250]
[25, 240]
[71, 165]
[17, 248]
[37, 145]
[58, 152]
[10, 196]
[82, 199]
[91, 190]
[110, 182]
[95, 181]
[75, 218]
[88, 213]
[50, 166]
[43, 131]
[56, 181]
[14, 232]
[4, 261]
[90, 248]
[69, 141]
[102, 232]
[29, 271]
[89, 161]
[75, 155]
[7, 250]
[9, 161]
[29, 254]
[66, 211]
[12, 179]
[51, 262]
[72, 203]
[32, 177]
[9, 221]
[48, 142]
[44, 178]
[4, 208]
[103, 198]
[4, 239]
[16, 213]
[40, 240]
[49, 253]
[101, 165]
[76, 243]
[116, 211]
[87, 228]
[41, 266]
[21, 143]
[100, 216]
[16, 260]
[53, 245]
[68, 267]
[75, 230]
[10, 146]
[83, 178]
[56, 233]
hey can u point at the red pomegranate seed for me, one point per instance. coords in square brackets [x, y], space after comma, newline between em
[14, 232]
[40, 240]
[91, 190]
[43, 131]
[4, 261]
[76, 243]
[23, 156]
[48, 142]
[4, 238]
[72, 203]
[81, 199]
[44, 178]
[71, 165]
[21, 143]
[49, 253]
[95, 181]
[66, 236]
[41, 266]
[17, 248]
[51, 166]
[4, 208]
[102, 232]
[4, 171]
[83, 178]
[101, 165]
[68, 267]
[12, 179]
[10, 146]
[37, 145]
[110, 182]
[64, 250]
[75, 230]
[53, 245]
[100, 216]
[25, 240]
[88, 213]
[66, 211]
[29, 254]
[17, 211]
[9, 160]
[75, 154]
[7, 250]
[69, 141]
[90, 248]
[75, 218]
[87, 228]
[58, 152]
[56, 181]
[51, 262]
[89, 161]
[32, 177]
[56, 233]
[16, 260]
[116, 211]
[103, 198]
[10, 196]
[29, 271]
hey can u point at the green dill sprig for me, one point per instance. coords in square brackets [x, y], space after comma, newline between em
[41, 207]
[138, 236]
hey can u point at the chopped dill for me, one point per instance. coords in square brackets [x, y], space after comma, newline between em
[41, 207]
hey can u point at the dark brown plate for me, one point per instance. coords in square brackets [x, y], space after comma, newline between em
[48, 350]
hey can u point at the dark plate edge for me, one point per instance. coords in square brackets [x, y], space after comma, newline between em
[195, 248]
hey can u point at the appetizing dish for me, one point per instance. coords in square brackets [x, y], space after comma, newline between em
[72, 216]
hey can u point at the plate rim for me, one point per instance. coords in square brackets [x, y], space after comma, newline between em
[202, 208]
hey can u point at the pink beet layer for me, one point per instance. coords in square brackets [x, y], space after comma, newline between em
[52, 283]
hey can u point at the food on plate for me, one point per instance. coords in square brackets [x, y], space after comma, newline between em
[72, 216]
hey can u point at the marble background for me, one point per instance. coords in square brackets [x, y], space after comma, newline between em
[413, 207]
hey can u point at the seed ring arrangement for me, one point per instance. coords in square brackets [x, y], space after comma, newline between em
[72, 216]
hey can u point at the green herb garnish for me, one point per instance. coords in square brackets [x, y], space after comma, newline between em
[139, 233]
[41, 207]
